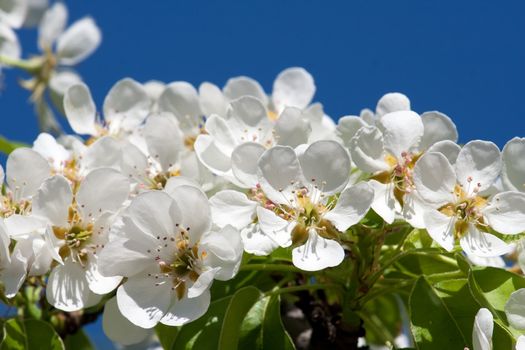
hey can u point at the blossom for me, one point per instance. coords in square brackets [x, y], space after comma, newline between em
[459, 208]
[78, 219]
[170, 257]
[482, 330]
[514, 309]
[300, 206]
[389, 151]
[13, 12]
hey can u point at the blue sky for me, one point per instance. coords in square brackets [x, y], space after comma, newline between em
[463, 58]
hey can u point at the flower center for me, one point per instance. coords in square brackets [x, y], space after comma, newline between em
[179, 262]
[466, 209]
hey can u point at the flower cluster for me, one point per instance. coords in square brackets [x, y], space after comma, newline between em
[166, 187]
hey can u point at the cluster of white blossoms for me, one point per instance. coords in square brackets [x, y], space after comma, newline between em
[161, 190]
[166, 187]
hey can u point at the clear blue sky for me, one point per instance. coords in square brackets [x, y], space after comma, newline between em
[464, 58]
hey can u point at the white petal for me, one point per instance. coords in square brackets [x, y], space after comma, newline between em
[317, 253]
[19, 226]
[326, 164]
[245, 158]
[127, 256]
[515, 309]
[384, 204]
[106, 152]
[151, 212]
[506, 212]
[14, 274]
[127, 100]
[202, 284]
[278, 170]
[219, 129]
[513, 173]
[50, 149]
[212, 100]
[80, 109]
[223, 251]
[67, 287]
[79, 41]
[143, 302]
[13, 12]
[292, 129]
[53, 200]
[352, 205]
[479, 162]
[438, 127]
[212, 157]
[401, 131]
[368, 151]
[60, 81]
[26, 170]
[190, 201]
[5, 241]
[275, 227]
[482, 330]
[154, 89]
[436, 187]
[244, 86]
[392, 102]
[9, 44]
[495, 261]
[248, 119]
[102, 190]
[482, 244]
[52, 25]
[187, 310]
[97, 283]
[181, 99]
[448, 148]
[414, 207]
[118, 328]
[164, 140]
[347, 127]
[257, 242]
[231, 207]
[134, 163]
[441, 228]
[177, 181]
[293, 87]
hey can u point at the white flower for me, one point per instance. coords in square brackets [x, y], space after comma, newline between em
[298, 205]
[389, 152]
[459, 208]
[125, 107]
[78, 223]
[513, 173]
[482, 330]
[170, 257]
[73, 45]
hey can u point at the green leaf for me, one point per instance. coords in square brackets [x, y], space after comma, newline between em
[239, 306]
[224, 315]
[15, 335]
[166, 335]
[433, 322]
[492, 288]
[7, 146]
[262, 328]
[383, 319]
[78, 341]
[30, 335]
